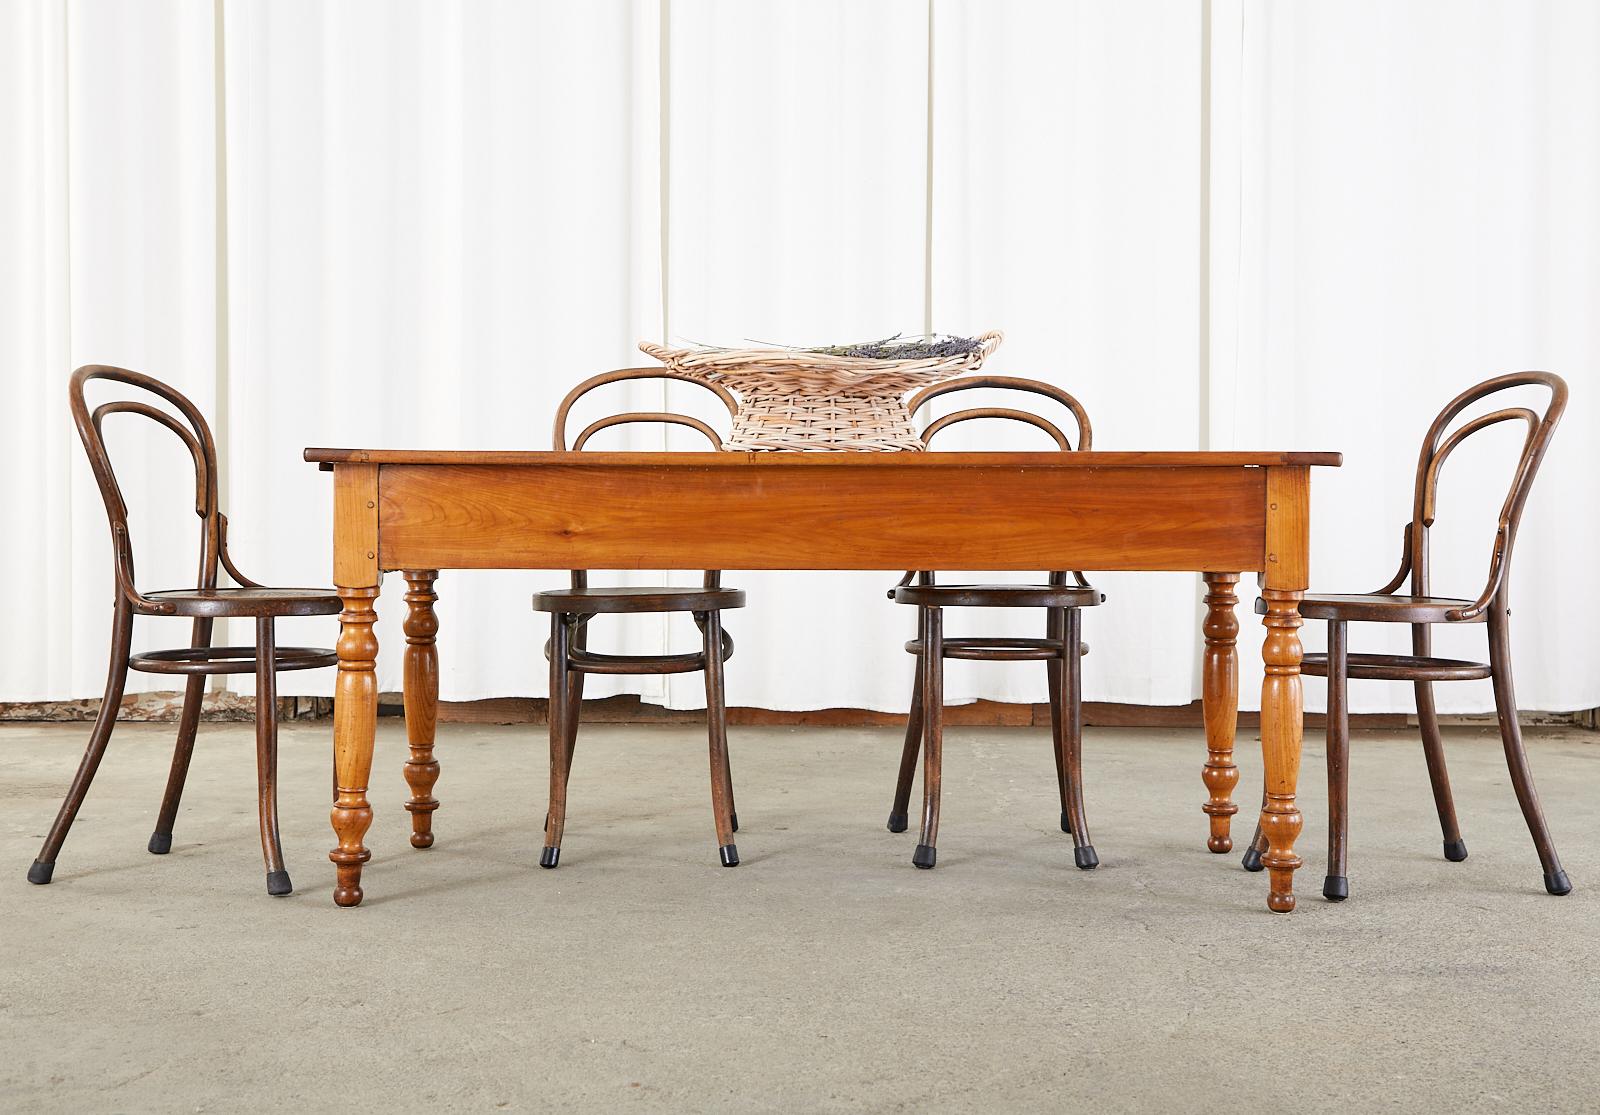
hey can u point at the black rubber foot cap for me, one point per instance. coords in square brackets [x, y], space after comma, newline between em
[1555, 884]
[550, 857]
[924, 856]
[733, 819]
[39, 874]
[1066, 823]
[160, 843]
[897, 822]
[1335, 888]
[729, 854]
[1252, 859]
[278, 883]
[1455, 850]
[1085, 857]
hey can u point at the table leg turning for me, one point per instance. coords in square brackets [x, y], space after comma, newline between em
[1282, 710]
[1220, 700]
[422, 701]
[355, 712]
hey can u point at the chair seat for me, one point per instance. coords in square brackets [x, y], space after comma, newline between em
[226, 603]
[998, 596]
[631, 599]
[998, 649]
[1379, 608]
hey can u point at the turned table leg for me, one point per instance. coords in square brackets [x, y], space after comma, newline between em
[1282, 709]
[1283, 579]
[422, 701]
[355, 711]
[1220, 701]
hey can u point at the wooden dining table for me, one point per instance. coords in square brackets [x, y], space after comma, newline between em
[1219, 514]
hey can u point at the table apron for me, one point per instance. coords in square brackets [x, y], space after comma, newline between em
[600, 516]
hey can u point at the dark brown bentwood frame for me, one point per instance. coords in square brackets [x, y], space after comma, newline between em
[1493, 607]
[1062, 600]
[572, 609]
[205, 604]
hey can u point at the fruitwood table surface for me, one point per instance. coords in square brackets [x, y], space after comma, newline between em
[1218, 514]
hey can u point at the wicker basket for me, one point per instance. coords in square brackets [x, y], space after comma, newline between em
[814, 402]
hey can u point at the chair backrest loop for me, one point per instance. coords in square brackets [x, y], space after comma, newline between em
[623, 374]
[195, 434]
[1437, 445]
[1005, 383]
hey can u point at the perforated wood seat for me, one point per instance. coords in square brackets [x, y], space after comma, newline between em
[634, 600]
[1373, 607]
[238, 603]
[999, 596]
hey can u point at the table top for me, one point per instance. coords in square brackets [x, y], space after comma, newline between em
[327, 458]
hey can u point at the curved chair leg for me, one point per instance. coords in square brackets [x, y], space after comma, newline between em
[1455, 849]
[1251, 860]
[555, 818]
[1053, 629]
[105, 721]
[733, 809]
[1070, 715]
[1505, 703]
[899, 812]
[574, 691]
[267, 755]
[183, 750]
[932, 620]
[717, 733]
[1336, 886]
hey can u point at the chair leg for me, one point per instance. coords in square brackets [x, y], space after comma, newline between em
[574, 692]
[1455, 849]
[105, 721]
[1251, 860]
[183, 751]
[555, 819]
[267, 755]
[733, 809]
[717, 733]
[899, 811]
[1053, 629]
[1070, 715]
[932, 732]
[1336, 886]
[1505, 704]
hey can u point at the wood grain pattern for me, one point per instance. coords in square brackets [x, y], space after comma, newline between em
[421, 701]
[355, 708]
[1282, 697]
[1219, 673]
[676, 515]
[355, 526]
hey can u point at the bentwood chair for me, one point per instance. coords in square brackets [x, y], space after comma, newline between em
[1062, 599]
[571, 610]
[204, 604]
[1422, 610]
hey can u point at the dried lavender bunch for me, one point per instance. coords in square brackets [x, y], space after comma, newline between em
[931, 347]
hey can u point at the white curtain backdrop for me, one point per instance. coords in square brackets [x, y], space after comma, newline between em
[1227, 225]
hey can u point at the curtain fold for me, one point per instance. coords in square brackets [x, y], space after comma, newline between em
[1232, 225]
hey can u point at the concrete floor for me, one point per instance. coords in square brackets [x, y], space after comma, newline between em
[825, 973]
